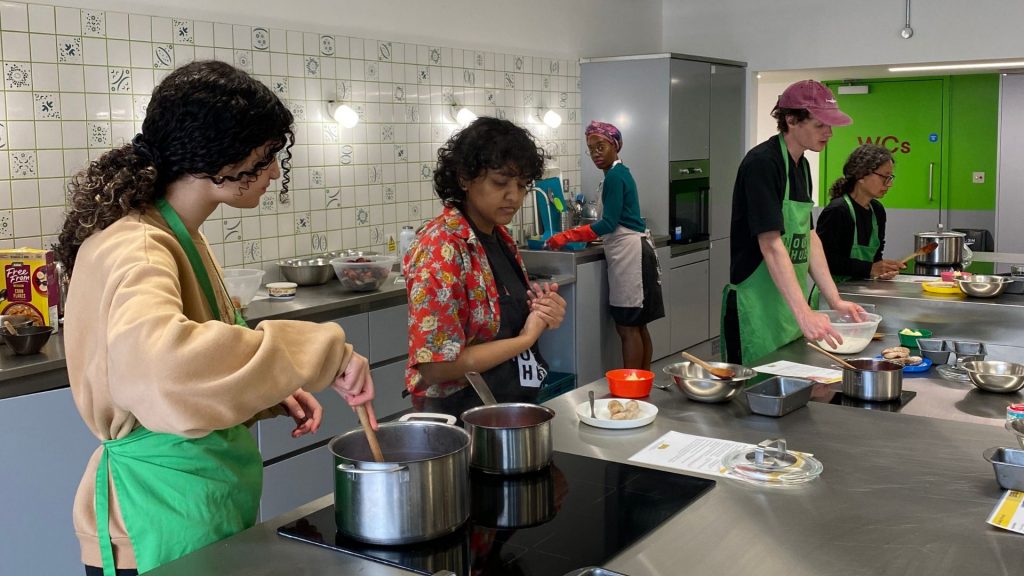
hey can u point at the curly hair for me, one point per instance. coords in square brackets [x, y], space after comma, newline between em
[864, 160]
[202, 117]
[780, 115]
[487, 143]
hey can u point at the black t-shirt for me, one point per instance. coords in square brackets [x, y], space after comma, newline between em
[507, 274]
[757, 202]
[835, 228]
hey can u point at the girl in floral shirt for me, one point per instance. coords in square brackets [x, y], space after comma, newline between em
[470, 305]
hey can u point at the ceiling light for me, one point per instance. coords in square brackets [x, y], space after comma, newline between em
[343, 114]
[975, 66]
[462, 115]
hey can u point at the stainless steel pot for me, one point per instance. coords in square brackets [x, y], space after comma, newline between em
[509, 438]
[873, 380]
[950, 248]
[419, 494]
[511, 502]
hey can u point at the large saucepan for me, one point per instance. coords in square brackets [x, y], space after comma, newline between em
[949, 251]
[507, 438]
[419, 493]
[872, 380]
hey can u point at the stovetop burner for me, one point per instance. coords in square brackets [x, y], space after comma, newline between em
[839, 399]
[600, 508]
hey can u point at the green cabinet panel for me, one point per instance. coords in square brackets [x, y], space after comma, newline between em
[973, 141]
[905, 116]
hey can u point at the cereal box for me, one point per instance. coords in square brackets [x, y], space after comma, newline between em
[30, 285]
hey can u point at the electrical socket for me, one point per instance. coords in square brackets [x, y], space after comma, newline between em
[978, 177]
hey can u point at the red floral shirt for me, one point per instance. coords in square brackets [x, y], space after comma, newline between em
[453, 299]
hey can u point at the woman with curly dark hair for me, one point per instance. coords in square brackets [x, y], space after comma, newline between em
[471, 308]
[162, 367]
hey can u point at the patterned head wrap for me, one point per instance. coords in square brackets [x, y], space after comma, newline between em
[606, 131]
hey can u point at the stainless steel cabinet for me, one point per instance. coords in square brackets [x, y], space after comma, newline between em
[388, 383]
[44, 451]
[661, 329]
[689, 110]
[728, 93]
[689, 304]
[389, 333]
[718, 278]
[598, 348]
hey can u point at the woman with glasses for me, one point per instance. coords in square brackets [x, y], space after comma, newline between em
[852, 226]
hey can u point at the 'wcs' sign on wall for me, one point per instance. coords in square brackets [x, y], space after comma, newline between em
[891, 143]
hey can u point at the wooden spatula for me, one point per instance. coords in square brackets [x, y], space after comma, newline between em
[371, 436]
[841, 362]
[723, 373]
[926, 249]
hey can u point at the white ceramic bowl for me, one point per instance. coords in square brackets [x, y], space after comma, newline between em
[856, 335]
[242, 283]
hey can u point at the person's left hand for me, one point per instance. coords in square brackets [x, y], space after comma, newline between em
[305, 409]
[851, 309]
[547, 303]
[356, 386]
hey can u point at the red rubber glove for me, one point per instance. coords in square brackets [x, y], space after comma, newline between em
[578, 234]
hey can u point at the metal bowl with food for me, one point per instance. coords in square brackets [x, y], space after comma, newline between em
[698, 385]
[983, 285]
[995, 375]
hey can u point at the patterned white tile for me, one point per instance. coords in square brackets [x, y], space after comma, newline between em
[163, 56]
[260, 39]
[303, 223]
[47, 106]
[312, 66]
[243, 60]
[327, 45]
[98, 134]
[17, 76]
[69, 49]
[182, 31]
[23, 165]
[94, 23]
[120, 79]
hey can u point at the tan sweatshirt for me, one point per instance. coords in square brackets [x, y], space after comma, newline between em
[142, 350]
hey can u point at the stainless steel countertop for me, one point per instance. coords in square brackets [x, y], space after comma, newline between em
[900, 494]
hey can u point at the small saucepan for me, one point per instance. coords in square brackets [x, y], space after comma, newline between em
[872, 380]
[507, 438]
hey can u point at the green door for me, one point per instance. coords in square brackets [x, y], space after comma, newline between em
[905, 116]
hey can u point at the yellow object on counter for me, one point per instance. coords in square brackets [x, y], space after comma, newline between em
[941, 287]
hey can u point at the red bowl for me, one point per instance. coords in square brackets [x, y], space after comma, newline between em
[629, 382]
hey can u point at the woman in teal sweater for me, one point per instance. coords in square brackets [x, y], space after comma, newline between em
[634, 277]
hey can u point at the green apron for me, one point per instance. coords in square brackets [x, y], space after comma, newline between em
[766, 322]
[179, 494]
[858, 251]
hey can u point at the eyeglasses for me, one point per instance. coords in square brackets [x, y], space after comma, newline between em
[887, 178]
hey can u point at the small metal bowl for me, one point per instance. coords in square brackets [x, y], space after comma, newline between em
[995, 376]
[778, 395]
[983, 285]
[967, 351]
[1008, 465]
[698, 385]
[307, 271]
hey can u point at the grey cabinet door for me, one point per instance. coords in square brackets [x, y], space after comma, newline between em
[389, 333]
[689, 110]
[44, 451]
[689, 305]
[388, 384]
[718, 278]
[728, 99]
[293, 482]
[598, 348]
[661, 329]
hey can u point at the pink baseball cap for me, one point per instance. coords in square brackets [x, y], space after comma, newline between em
[817, 99]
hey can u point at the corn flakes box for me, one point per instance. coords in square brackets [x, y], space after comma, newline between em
[30, 285]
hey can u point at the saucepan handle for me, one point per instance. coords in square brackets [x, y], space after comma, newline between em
[350, 469]
[429, 416]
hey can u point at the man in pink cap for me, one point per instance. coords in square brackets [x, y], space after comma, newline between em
[774, 246]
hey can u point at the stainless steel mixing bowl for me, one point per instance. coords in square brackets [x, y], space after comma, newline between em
[310, 271]
[984, 286]
[700, 386]
[995, 375]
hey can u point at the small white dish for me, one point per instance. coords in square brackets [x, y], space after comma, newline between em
[648, 412]
[282, 290]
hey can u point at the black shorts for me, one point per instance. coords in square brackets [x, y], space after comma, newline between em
[653, 306]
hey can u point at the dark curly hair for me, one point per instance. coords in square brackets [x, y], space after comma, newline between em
[864, 160]
[202, 117]
[780, 115]
[486, 144]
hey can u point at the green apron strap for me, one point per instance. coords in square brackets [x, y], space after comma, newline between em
[185, 239]
[103, 515]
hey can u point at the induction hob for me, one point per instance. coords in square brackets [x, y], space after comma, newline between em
[597, 509]
[839, 399]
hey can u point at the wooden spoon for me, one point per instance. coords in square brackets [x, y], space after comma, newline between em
[10, 328]
[841, 362]
[371, 436]
[926, 249]
[723, 373]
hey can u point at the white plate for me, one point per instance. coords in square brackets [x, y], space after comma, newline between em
[647, 413]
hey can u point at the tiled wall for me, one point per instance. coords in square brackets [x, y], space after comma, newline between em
[77, 81]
